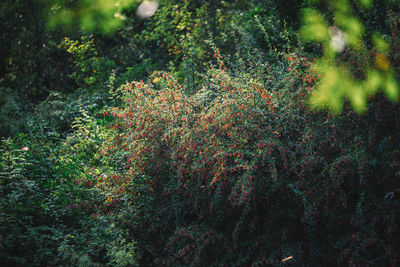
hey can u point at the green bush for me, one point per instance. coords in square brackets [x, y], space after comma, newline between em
[219, 161]
[46, 217]
[243, 174]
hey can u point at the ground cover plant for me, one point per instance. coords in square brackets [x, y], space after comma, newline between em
[183, 141]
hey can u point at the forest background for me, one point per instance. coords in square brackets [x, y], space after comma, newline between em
[199, 133]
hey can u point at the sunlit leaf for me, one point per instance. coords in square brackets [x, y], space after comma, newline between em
[391, 88]
[380, 44]
[353, 28]
[315, 27]
[372, 82]
[90, 15]
[367, 4]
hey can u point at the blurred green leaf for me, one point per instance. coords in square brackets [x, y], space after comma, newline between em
[90, 15]
[337, 81]
[367, 4]
[315, 27]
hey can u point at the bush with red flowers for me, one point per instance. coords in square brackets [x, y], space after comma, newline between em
[244, 174]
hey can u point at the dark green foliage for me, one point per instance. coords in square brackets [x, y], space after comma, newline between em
[48, 219]
[31, 64]
[213, 158]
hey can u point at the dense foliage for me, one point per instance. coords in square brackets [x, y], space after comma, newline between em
[188, 139]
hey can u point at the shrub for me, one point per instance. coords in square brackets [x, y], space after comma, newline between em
[243, 174]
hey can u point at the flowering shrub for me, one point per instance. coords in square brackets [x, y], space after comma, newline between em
[240, 173]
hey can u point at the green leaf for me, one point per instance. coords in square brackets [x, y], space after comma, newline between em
[315, 27]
